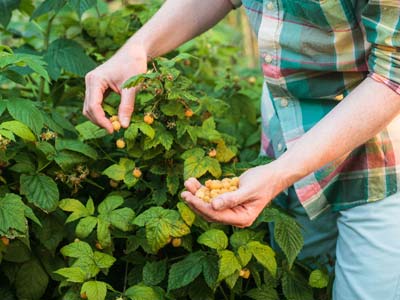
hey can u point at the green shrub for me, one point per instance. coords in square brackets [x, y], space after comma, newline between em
[77, 218]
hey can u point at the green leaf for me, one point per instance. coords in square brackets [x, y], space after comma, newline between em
[68, 55]
[146, 129]
[228, 264]
[241, 238]
[31, 281]
[295, 287]
[186, 271]
[26, 112]
[40, 190]
[194, 167]
[287, 234]
[95, 290]
[80, 6]
[186, 213]
[77, 249]
[76, 146]
[154, 272]
[135, 80]
[224, 153]
[162, 136]
[89, 131]
[115, 172]
[264, 292]
[161, 224]
[72, 274]
[76, 207]
[12, 216]
[6, 8]
[47, 6]
[85, 227]
[214, 238]
[142, 292]
[122, 218]
[110, 203]
[103, 260]
[318, 279]
[245, 255]
[264, 255]
[172, 182]
[103, 232]
[19, 129]
[210, 271]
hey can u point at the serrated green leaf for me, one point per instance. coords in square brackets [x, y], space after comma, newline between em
[115, 172]
[110, 203]
[76, 207]
[224, 153]
[76, 146]
[245, 255]
[228, 264]
[31, 281]
[214, 238]
[80, 6]
[186, 271]
[26, 112]
[186, 213]
[85, 227]
[318, 279]
[95, 290]
[103, 232]
[142, 292]
[122, 218]
[210, 271]
[19, 129]
[264, 292]
[194, 167]
[77, 249]
[154, 272]
[40, 190]
[47, 6]
[103, 260]
[12, 216]
[72, 274]
[68, 55]
[287, 234]
[264, 255]
[295, 287]
[89, 131]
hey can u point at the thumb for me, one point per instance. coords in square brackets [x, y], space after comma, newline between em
[126, 106]
[228, 200]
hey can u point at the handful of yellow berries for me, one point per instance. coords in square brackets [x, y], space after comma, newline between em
[214, 188]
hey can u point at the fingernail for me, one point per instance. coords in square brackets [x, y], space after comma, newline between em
[125, 122]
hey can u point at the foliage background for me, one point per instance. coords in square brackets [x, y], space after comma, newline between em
[74, 221]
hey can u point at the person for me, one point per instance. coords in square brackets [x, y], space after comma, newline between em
[330, 104]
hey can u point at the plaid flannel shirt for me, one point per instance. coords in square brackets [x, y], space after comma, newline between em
[313, 53]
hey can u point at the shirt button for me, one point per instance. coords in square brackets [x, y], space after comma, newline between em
[270, 6]
[280, 147]
[268, 58]
[284, 102]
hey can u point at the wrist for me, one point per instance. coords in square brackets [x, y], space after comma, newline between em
[291, 168]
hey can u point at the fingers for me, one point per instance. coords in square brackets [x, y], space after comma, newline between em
[229, 200]
[92, 108]
[239, 216]
[192, 185]
[126, 106]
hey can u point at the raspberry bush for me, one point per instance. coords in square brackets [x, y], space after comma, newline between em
[87, 215]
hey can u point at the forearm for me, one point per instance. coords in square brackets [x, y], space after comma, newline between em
[176, 22]
[359, 117]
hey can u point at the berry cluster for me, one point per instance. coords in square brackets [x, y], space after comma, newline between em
[214, 188]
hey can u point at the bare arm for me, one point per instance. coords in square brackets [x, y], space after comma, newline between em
[358, 118]
[176, 22]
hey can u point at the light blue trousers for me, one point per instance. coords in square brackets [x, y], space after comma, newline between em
[365, 241]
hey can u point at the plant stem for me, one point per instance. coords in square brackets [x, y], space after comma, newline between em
[223, 292]
[45, 47]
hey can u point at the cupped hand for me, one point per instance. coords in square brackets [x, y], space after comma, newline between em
[257, 187]
[112, 74]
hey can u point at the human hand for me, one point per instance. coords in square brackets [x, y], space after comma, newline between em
[257, 187]
[127, 62]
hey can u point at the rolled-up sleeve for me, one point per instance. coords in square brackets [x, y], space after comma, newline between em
[381, 19]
